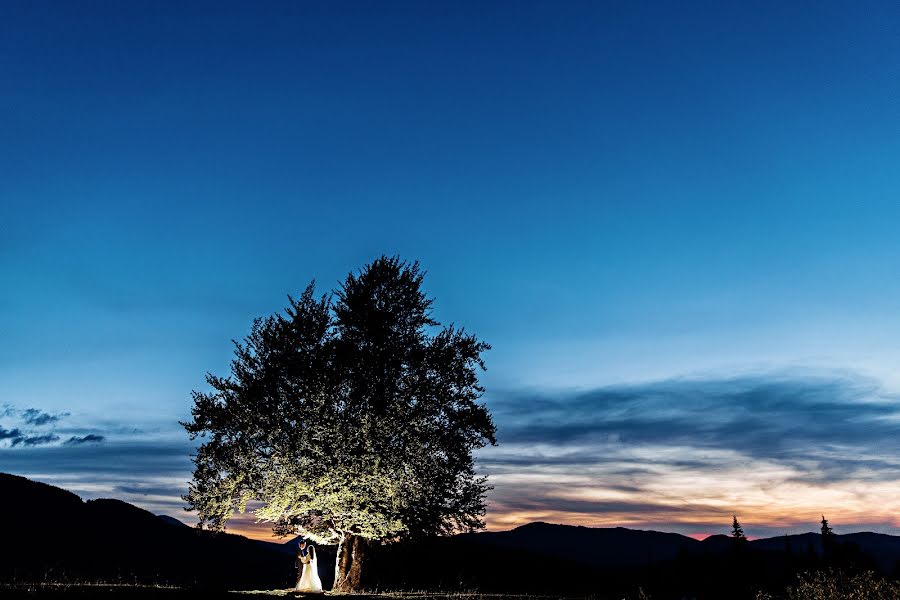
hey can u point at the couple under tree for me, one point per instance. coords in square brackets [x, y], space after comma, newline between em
[351, 418]
[308, 570]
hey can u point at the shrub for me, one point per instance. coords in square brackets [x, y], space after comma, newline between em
[836, 585]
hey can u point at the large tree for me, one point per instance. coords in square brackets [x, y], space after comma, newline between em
[350, 418]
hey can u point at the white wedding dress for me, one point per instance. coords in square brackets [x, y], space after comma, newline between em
[309, 579]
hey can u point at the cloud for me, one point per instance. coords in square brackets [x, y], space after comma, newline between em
[29, 434]
[36, 417]
[679, 455]
[689, 452]
[86, 439]
[17, 437]
[10, 434]
[843, 424]
[89, 461]
[36, 440]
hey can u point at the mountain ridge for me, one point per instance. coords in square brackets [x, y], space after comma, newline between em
[109, 539]
[112, 540]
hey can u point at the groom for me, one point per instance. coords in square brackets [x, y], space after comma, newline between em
[308, 580]
[302, 555]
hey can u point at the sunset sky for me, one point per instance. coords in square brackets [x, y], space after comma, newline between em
[677, 226]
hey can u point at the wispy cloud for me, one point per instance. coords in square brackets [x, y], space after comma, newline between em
[17, 437]
[688, 452]
[37, 417]
[36, 440]
[10, 434]
[683, 455]
[91, 438]
[39, 428]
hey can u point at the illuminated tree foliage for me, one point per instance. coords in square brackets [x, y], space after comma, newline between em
[350, 418]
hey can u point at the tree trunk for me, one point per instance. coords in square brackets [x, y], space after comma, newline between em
[348, 566]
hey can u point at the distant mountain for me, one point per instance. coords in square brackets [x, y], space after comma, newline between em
[883, 548]
[716, 544]
[172, 521]
[600, 547]
[620, 547]
[50, 534]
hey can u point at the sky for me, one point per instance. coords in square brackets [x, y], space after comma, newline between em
[676, 224]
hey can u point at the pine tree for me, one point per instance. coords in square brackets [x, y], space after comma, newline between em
[737, 532]
[827, 532]
[738, 539]
[828, 540]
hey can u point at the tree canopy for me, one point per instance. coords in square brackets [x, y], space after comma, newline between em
[353, 413]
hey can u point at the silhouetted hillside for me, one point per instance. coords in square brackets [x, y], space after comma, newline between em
[603, 547]
[884, 549]
[50, 534]
[172, 521]
[716, 544]
[540, 558]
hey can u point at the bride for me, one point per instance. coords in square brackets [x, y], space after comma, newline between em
[309, 581]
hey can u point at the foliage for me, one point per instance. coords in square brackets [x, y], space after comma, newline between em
[836, 585]
[351, 413]
[827, 531]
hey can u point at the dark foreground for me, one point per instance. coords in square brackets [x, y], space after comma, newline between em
[111, 541]
[817, 586]
[121, 592]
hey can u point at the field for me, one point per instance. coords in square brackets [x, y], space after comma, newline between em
[818, 586]
[123, 592]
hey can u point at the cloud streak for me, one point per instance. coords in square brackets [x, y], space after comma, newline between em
[33, 429]
[778, 448]
[679, 455]
[38, 418]
[91, 438]
[18, 438]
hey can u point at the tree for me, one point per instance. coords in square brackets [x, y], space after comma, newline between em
[828, 540]
[827, 531]
[737, 532]
[738, 539]
[351, 418]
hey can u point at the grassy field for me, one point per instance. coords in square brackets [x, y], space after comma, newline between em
[815, 586]
[129, 591]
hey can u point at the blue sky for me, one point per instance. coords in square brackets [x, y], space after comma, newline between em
[611, 193]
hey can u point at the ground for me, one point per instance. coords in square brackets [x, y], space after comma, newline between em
[123, 592]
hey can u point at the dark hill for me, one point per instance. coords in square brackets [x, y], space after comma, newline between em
[808, 543]
[172, 521]
[884, 549]
[541, 558]
[716, 544]
[50, 534]
[600, 547]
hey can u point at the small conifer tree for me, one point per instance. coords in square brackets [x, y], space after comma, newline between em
[827, 531]
[828, 540]
[737, 532]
